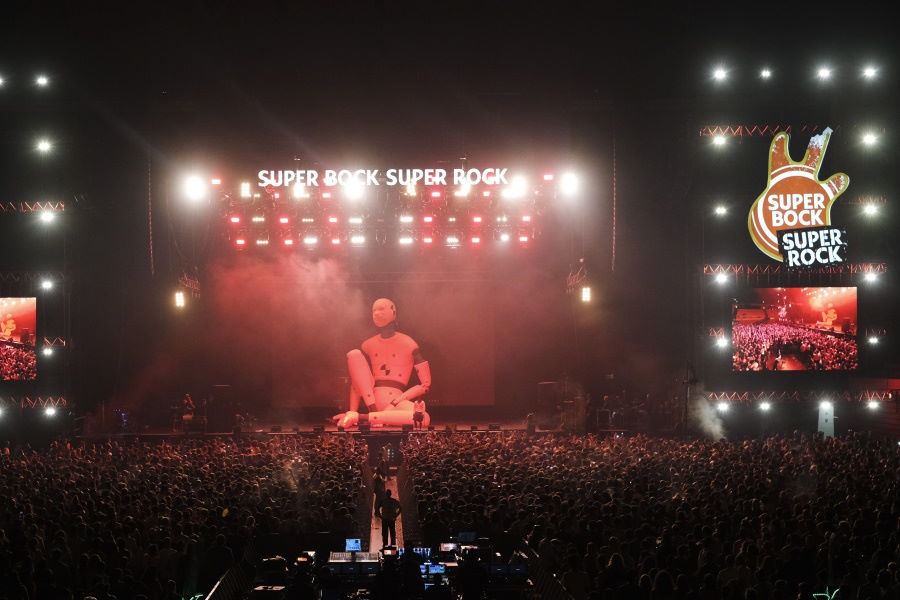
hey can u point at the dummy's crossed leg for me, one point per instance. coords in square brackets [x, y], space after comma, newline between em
[387, 406]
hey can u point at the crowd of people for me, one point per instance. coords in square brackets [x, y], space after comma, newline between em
[17, 363]
[650, 518]
[133, 520]
[762, 347]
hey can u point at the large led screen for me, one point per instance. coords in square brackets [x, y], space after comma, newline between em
[18, 317]
[795, 329]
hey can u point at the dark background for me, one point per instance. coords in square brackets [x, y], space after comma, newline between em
[139, 94]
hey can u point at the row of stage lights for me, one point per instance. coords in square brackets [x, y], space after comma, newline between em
[49, 412]
[867, 138]
[869, 209]
[40, 81]
[824, 73]
[501, 229]
[765, 406]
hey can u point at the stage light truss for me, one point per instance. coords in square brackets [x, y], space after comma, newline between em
[29, 402]
[191, 284]
[764, 130]
[798, 396]
[31, 207]
[756, 274]
[325, 218]
[716, 332]
[54, 342]
[866, 200]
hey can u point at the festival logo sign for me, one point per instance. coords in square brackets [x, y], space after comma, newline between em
[790, 221]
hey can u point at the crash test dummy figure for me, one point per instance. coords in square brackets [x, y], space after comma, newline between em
[380, 372]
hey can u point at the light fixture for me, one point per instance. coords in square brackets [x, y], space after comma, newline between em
[722, 407]
[195, 187]
[720, 210]
[42, 80]
[764, 406]
[823, 73]
[44, 145]
[765, 73]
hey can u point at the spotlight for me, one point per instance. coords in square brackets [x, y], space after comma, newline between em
[869, 138]
[410, 190]
[720, 210]
[405, 240]
[42, 81]
[823, 73]
[718, 140]
[47, 284]
[721, 278]
[476, 240]
[873, 340]
[283, 220]
[311, 240]
[300, 191]
[764, 406]
[435, 194]
[358, 240]
[179, 299]
[548, 176]
[765, 73]
[47, 351]
[870, 277]
[452, 240]
[240, 242]
[1, 410]
[195, 187]
[826, 405]
[1, 82]
[720, 74]
[721, 341]
[504, 237]
[870, 209]
[586, 294]
[523, 238]
[872, 405]
[870, 72]
[44, 145]
[245, 189]
[46, 216]
[50, 411]
[235, 219]
[288, 241]
[406, 219]
[353, 190]
[463, 190]
[722, 407]
[568, 184]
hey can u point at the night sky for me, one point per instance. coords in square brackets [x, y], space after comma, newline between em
[234, 85]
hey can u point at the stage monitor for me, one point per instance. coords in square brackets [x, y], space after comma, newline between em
[18, 319]
[449, 547]
[352, 545]
[795, 329]
[436, 569]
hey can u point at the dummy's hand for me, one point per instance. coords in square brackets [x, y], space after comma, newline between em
[347, 419]
[806, 200]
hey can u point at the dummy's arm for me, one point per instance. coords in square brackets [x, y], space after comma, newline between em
[423, 370]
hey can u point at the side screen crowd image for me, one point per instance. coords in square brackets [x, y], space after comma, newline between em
[18, 317]
[795, 329]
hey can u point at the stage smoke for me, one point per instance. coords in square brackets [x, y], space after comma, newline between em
[703, 416]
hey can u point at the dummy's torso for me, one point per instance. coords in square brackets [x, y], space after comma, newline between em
[391, 358]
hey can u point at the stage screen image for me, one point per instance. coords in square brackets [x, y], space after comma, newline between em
[795, 329]
[18, 317]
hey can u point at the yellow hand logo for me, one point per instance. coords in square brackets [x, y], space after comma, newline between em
[794, 197]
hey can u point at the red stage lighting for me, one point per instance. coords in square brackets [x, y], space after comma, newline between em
[435, 194]
[240, 241]
[526, 219]
[476, 240]
[277, 195]
[235, 219]
[336, 241]
[486, 193]
[428, 219]
[326, 195]
[288, 242]
[427, 240]
[548, 176]
[216, 181]
[523, 238]
[476, 219]
[283, 220]
[332, 219]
